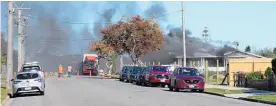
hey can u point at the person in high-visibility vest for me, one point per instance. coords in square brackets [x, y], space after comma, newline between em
[60, 70]
[69, 71]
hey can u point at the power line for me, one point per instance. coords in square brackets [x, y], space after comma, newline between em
[66, 22]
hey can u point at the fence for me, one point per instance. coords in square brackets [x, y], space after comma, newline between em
[246, 65]
[215, 75]
[264, 84]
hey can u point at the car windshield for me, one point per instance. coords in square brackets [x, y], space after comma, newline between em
[27, 76]
[30, 68]
[160, 68]
[188, 72]
[89, 63]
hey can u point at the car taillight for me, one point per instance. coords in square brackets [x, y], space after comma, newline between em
[39, 80]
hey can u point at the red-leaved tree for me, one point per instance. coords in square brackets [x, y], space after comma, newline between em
[135, 36]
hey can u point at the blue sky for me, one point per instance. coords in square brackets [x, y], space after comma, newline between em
[250, 23]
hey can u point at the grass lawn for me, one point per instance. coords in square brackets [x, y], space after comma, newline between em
[115, 76]
[266, 97]
[222, 91]
[3, 93]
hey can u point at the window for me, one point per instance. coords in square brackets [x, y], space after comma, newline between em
[89, 63]
[160, 68]
[27, 76]
[30, 68]
[188, 71]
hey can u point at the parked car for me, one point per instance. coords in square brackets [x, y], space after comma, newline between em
[157, 75]
[32, 66]
[134, 73]
[186, 78]
[140, 76]
[129, 73]
[28, 82]
[123, 74]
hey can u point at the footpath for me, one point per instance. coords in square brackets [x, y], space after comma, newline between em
[248, 94]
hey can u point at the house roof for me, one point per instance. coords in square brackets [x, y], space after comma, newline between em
[202, 53]
[228, 54]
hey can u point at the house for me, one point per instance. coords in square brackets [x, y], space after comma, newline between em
[198, 58]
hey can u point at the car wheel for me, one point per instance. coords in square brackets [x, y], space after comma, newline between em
[163, 85]
[193, 90]
[42, 93]
[201, 90]
[176, 89]
[121, 79]
[14, 95]
[170, 87]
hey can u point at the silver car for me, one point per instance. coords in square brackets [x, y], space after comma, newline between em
[28, 82]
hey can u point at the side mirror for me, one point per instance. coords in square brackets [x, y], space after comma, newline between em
[12, 79]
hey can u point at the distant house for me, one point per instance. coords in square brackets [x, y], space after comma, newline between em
[198, 59]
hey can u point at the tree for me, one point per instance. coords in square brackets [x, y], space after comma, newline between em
[274, 50]
[266, 53]
[105, 52]
[247, 49]
[134, 36]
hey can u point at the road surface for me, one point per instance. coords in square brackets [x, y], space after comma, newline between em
[110, 92]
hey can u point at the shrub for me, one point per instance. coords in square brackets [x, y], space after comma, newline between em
[255, 75]
[268, 72]
[274, 65]
[273, 61]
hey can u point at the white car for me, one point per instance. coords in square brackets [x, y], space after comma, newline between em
[27, 67]
[28, 82]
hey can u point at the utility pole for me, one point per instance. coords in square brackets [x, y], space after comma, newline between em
[10, 44]
[184, 36]
[20, 36]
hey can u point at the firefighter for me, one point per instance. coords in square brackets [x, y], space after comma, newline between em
[60, 69]
[69, 70]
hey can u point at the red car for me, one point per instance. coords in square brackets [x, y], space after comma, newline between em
[186, 78]
[157, 75]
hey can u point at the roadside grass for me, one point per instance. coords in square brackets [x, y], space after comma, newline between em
[222, 91]
[213, 81]
[266, 97]
[4, 92]
[115, 76]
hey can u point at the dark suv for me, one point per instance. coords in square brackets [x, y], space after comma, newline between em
[124, 72]
[134, 73]
[157, 75]
[140, 76]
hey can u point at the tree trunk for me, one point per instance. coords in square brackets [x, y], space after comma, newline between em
[109, 65]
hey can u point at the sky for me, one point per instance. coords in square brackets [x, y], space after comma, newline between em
[249, 23]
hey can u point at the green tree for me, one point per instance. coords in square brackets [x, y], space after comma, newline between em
[266, 53]
[274, 50]
[248, 49]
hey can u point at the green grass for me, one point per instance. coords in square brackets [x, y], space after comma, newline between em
[115, 76]
[3, 93]
[266, 97]
[223, 91]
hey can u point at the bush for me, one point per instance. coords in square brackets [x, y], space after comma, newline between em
[268, 72]
[255, 75]
[273, 61]
[274, 65]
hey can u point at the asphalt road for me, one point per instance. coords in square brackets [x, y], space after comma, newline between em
[109, 92]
